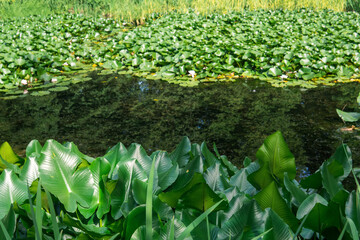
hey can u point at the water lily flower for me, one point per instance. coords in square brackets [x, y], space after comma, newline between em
[192, 73]
[65, 64]
[53, 80]
[284, 76]
[24, 82]
[25, 91]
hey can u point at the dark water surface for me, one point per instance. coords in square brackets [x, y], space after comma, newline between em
[236, 116]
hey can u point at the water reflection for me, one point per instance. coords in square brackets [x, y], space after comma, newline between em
[236, 116]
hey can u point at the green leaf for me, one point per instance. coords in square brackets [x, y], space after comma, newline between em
[58, 176]
[181, 153]
[340, 163]
[248, 221]
[30, 170]
[280, 230]
[197, 221]
[352, 208]
[275, 159]
[348, 116]
[313, 181]
[99, 168]
[353, 231]
[8, 155]
[270, 197]
[274, 71]
[135, 219]
[316, 207]
[4, 231]
[209, 157]
[216, 177]
[114, 155]
[12, 189]
[330, 182]
[172, 196]
[19, 61]
[91, 229]
[293, 187]
[33, 147]
[201, 197]
[167, 171]
[8, 225]
[122, 201]
[305, 62]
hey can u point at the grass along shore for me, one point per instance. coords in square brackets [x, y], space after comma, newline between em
[138, 10]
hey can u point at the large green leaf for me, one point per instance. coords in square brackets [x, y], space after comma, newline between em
[122, 199]
[209, 157]
[99, 168]
[114, 155]
[275, 159]
[348, 116]
[91, 229]
[33, 147]
[330, 182]
[12, 189]
[246, 223]
[134, 152]
[352, 208]
[280, 230]
[9, 222]
[30, 170]
[134, 220]
[59, 176]
[294, 188]
[342, 157]
[197, 221]
[270, 197]
[172, 196]
[167, 171]
[240, 181]
[8, 155]
[216, 177]
[316, 207]
[200, 196]
[181, 153]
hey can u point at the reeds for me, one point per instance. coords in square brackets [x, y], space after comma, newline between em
[130, 10]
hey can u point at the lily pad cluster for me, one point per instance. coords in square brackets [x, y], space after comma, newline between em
[47, 50]
[283, 47]
[190, 193]
[300, 47]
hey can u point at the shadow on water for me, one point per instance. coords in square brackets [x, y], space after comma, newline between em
[236, 116]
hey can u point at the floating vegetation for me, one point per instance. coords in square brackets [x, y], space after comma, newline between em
[282, 47]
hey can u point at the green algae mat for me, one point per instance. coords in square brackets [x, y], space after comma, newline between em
[286, 48]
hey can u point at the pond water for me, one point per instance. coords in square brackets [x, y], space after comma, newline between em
[97, 114]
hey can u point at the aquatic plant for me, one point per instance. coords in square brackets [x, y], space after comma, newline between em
[285, 48]
[189, 193]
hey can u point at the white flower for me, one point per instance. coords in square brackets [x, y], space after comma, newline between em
[53, 80]
[23, 82]
[1, 82]
[25, 91]
[192, 73]
[284, 76]
[65, 64]
[78, 58]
